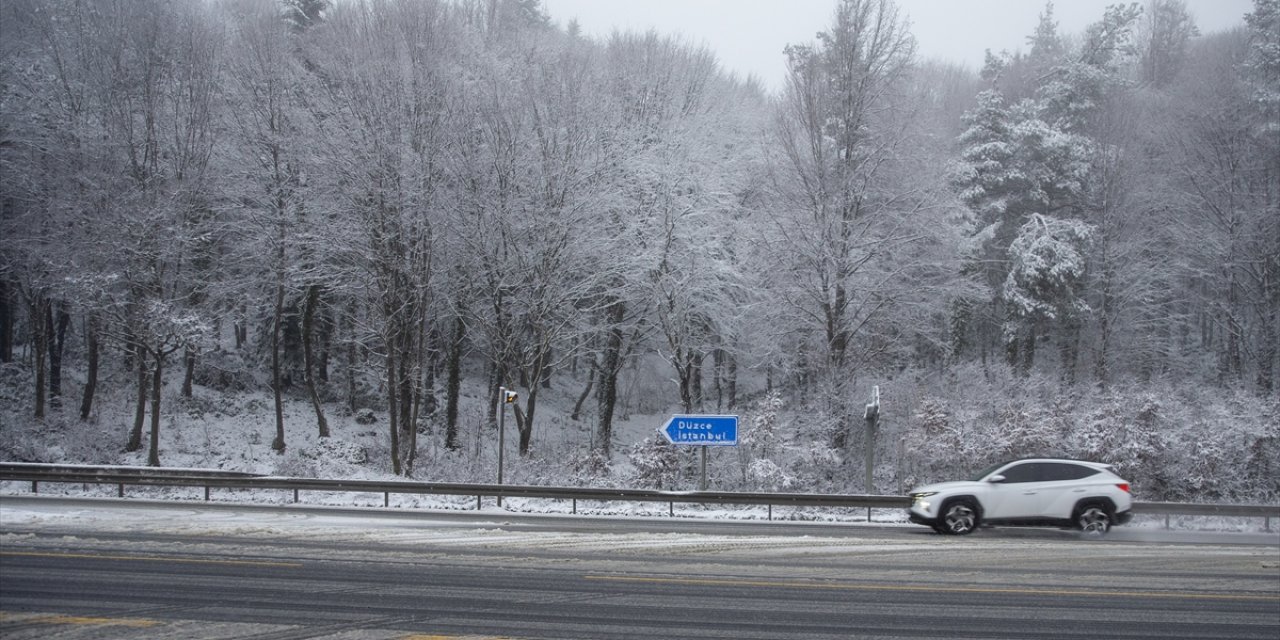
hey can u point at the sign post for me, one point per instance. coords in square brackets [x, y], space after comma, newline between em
[702, 431]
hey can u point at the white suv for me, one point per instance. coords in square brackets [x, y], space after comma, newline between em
[1035, 491]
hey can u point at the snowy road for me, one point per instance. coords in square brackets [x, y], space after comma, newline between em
[104, 569]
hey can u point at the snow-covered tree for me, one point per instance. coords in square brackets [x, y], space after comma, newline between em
[839, 217]
[1046, 279]
[1163, 38]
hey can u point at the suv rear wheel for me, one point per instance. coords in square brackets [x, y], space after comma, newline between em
[959, 517]
[1094, 518]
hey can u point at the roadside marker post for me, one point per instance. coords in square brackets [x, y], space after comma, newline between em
[505, 397]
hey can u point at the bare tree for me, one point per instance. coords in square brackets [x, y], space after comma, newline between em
[834, 144]
[387, 112]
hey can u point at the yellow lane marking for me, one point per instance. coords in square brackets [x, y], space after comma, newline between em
[94, 556]
[81, 620]
[708, 582]
[419, 636]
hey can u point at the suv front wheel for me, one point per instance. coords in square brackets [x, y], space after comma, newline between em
[959, 517]
[1094, 518]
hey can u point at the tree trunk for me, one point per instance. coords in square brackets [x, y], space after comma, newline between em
[326, 341]
[405, 379]
[1270, 317]
[526, 424]
[544, 364]
[1231, 359]
[495, 379]
[454, 385]
[731, 382]
[695, 381]
[582, 398]
[189, 373]
[718, 367]
[56, 338]
[1102, 363]
[1029, 349]
[351, 358]
[610, 367]
[531, 406]
[240, 330]
[6, 323]
[91, 376]
[308, 365]
[40, 335]
[140, 410]
[393, 408]
[688, 372]
[153, 456]
[1069, 349]
[277, 445]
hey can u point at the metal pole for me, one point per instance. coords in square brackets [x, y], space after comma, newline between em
[702, 486]
[872, 416]
[502, 432]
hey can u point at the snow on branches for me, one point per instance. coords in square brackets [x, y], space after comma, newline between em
[1047, 267]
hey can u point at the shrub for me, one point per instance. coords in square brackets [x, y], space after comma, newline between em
[656, 462]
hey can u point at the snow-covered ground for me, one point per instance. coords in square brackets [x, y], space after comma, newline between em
[233, 431]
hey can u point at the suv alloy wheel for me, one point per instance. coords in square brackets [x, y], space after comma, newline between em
[1094, 519]
[959, 517]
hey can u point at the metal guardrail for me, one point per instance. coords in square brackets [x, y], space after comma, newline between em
[129, 476]
[219, 479]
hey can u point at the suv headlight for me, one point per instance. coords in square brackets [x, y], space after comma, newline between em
[919, 499]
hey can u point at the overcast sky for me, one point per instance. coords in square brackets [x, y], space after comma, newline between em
[748, 35]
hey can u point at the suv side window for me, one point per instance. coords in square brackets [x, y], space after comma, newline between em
[1054, 471]
[1026, 472]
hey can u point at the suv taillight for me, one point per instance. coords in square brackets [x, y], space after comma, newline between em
[1124, 486]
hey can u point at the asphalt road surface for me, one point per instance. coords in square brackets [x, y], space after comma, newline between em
[108, 569]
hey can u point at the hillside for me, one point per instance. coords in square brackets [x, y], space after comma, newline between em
[1174, 443]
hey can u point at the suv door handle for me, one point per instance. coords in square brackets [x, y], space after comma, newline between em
[1030, 493]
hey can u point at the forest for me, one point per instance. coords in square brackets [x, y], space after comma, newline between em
[385, 210]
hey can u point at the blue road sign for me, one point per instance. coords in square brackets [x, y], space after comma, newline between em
[704, 431]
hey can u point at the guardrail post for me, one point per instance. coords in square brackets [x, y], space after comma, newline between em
[206, 493]
[672, 508]
[295, 496]
[120, 493]
[386, 498]
[575, 508]
[35, 487]
[1268, 525]
[479, 503]
[770, 513]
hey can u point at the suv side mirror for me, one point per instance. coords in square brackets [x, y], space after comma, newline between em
[996, 478]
